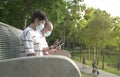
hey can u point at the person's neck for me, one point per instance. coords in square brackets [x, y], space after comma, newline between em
[32, 25]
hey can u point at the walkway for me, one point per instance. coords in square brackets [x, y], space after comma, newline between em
[88, 70]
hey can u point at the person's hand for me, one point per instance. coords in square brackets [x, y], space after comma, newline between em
[32, 54]
[51, 47]
[52, 51]
[58, 48]
[57, 42]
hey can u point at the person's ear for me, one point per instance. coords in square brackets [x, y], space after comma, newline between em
[36, 20]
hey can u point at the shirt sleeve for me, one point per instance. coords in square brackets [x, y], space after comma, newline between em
[28, 43]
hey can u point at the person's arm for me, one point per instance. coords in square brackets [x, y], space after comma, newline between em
[51, 50]
[45, 50]
[31, 54]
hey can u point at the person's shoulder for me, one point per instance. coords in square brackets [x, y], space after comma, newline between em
[28, 30]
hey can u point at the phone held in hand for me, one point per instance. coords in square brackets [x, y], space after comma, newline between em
[57, 42]
[62, 44]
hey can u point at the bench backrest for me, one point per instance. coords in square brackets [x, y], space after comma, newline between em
[45, 66]
[9, 41]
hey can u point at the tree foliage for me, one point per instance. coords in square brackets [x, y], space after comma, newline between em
[15, 12]
[98, 28]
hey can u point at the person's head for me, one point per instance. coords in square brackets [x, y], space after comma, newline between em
[47, 30]
[39, 18]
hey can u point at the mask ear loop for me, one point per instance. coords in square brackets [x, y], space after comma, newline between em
[48, 33]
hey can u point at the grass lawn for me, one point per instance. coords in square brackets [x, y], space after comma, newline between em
[85, 75]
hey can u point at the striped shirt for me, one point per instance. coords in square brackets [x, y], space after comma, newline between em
[30, 42]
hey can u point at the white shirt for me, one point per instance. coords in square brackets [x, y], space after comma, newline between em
[30, 42]
[43, 42]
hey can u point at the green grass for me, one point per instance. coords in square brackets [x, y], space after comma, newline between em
[85, 75]
[108, 60]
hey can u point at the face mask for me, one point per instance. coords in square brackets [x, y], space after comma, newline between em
[40, 27]
[47, 33]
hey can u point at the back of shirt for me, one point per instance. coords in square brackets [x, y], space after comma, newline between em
[30, 42]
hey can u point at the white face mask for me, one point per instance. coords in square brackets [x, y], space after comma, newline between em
[40, 27]
[48, 33]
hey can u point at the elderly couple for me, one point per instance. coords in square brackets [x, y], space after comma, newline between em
[33, 39]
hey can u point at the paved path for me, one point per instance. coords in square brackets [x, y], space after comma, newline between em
[88, 70]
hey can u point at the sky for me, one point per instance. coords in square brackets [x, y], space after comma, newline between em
[111, 6]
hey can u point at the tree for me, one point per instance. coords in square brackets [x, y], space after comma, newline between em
[75, 12]
[18, 12]
[97, 31]
[115, 37]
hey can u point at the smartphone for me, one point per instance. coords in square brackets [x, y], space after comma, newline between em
[62, 44]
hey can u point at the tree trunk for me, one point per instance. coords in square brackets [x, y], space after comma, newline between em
[94, 51]
[25, 21]
[63, 34]
[97, 54]
[102, 59]
[118, 61]
[89, 54]
[80, 52]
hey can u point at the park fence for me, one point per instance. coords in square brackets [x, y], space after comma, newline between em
[9, 41]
